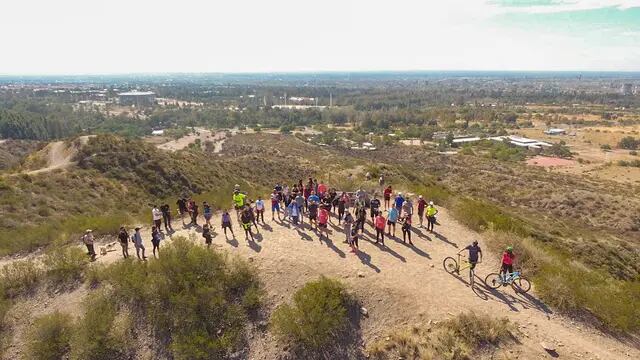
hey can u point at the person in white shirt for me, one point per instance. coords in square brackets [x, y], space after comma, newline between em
[156, 214]
[88, 239]
[260, 209]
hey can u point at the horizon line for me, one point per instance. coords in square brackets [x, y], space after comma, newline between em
[310, 72]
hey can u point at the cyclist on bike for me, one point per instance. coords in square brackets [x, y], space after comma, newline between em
[507, 263]
[474, 250]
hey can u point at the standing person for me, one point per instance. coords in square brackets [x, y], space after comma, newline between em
[137, 242]
[354, 240]
[333, 197]
[342, 208]
[348, 225]
[323, 220]
[398, 202]
[245, 220]
[299, 200]
[287, 202]
[182, 208]
[474, 251]
[360, 196]
[155, 240]
[406, 228]
[194, 213]
[380, 223]
[260, 209]
[313, 214]
[315, 185]
[239, 200]
[361, 218]
[123, 237]
[293, 212]
[190, 204]
[407, 206]
[207, 211]
[422, 203]
[387, 197]
[275, 205]
[88, 240]
[431, 216]
[253, 215]
[206, 234]
[507, 263]
[166, 217]
[374, 204]
[156, 214]
[381, 180]
[226, 223]
[307, 194]
[392, 217]
[314, 197]
[322, 189]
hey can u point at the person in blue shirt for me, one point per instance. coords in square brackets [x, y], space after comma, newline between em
[392, 218]
[314, 198]
[398, 202]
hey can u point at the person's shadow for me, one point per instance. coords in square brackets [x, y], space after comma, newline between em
[366, 259]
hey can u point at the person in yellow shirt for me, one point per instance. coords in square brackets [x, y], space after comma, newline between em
[431, 216]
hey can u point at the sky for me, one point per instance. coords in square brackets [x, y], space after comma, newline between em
[155, 36]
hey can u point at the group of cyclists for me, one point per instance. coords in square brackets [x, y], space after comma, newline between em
[313, 202]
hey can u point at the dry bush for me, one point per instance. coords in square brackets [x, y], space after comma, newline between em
[460, 338]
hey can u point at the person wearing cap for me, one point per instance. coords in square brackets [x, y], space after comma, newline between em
[88, 240]
[137, 242]
[422, 204]
[431, 216]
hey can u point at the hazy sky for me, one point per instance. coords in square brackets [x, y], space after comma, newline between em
[119, 36]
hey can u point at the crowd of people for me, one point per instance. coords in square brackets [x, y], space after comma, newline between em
[313, 202]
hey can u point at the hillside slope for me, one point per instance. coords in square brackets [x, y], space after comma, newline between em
[399, 285]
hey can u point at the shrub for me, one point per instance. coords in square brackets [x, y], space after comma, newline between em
[462, 337]
[605, 147]
[20, 277]
[193, 298]
[318, 314]
[480, 216]
[103, 333]
[633, 153]
[50, 337]
[629, 143]
[65, 265]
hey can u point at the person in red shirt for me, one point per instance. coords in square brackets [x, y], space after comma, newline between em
[322, 190]
[387, 196]
[422, 203]
[323, 220]
[507, 262]
[380, 223]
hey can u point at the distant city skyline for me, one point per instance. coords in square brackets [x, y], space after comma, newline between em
[194, 36]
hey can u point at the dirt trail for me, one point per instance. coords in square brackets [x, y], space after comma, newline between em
[400, 285]
[59, 156]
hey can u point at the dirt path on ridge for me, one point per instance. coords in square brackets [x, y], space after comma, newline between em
[400, 285]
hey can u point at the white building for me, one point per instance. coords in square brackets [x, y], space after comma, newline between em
[555, 131]
[521, 141]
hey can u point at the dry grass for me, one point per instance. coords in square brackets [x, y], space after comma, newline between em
[462, 337]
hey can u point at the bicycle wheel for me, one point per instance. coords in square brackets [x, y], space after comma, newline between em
[450, 265]
[521, 284]
[472, 277]
[493, 280]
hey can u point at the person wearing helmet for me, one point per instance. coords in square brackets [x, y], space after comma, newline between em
[431, 216]
[475, 254]
[507, 262]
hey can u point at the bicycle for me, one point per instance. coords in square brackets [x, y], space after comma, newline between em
[515, 279]
[452, 266]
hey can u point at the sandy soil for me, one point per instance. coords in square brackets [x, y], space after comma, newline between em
[400, 285]
[546, 161]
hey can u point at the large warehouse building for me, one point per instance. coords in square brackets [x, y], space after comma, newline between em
[137, 98]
